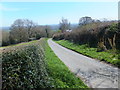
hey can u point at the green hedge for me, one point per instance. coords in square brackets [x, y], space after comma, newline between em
[24, 67]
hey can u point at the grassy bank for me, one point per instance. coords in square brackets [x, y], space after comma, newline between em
[62, 76]
[19, 44]
[108, 56]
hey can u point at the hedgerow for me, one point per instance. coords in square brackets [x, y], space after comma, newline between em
[24, 67]
[104, 35]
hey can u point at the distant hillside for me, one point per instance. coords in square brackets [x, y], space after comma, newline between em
[5, 28]
[53, 27]
[56, 26]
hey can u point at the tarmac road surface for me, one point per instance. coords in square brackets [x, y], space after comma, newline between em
[94, 73]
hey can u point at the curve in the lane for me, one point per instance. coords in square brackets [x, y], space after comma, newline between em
[94, 73]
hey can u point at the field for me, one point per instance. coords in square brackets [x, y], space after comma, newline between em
[34, 65]
[108, 56]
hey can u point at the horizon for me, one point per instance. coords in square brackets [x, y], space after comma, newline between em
[51, 13]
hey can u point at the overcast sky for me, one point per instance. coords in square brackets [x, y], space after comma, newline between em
[51, 12]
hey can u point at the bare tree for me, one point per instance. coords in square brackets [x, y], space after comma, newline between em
[18, 32]
[48, 31]
[30, 26]
[64, 25]
[22, 30]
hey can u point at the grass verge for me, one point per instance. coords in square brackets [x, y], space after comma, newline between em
[62, 76]
[108, 56]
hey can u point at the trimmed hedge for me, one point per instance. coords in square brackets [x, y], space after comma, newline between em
[24, 67]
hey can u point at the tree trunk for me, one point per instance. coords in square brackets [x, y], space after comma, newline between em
[112, 42]
[101, 44]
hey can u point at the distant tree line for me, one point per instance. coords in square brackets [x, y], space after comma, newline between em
[101, 34]
[24, 30]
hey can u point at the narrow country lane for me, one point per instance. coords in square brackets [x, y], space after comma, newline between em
[94, 73]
